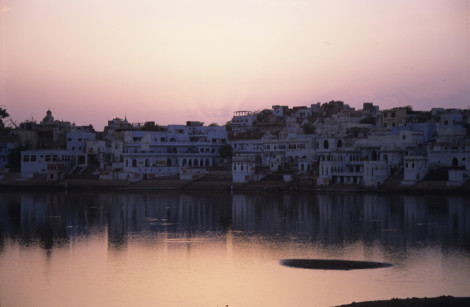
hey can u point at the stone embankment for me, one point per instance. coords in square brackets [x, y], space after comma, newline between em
[213, 181]
[221, 180]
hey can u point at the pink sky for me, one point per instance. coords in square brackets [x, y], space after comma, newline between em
[170, 61]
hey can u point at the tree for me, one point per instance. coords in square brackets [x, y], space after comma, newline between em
[368, 120]
[263, 116]
[14, 158]
[151, 126]
[228, 126]
[225, 151]
[3, 114]
[308, 128]
[214, 125]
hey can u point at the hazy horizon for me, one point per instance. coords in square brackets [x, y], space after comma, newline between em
[170, 61]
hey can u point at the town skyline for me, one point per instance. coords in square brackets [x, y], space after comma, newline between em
[184, 121]
[170, 60]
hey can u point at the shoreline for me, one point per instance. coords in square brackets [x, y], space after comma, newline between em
[414, 302]
[218, 185]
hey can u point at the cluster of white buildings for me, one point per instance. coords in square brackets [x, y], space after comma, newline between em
[361, 148]
[331, 143]
[129, 152]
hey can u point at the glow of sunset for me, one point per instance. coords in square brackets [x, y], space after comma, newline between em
[170, 61]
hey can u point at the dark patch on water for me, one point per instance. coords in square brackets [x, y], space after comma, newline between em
[333, 264]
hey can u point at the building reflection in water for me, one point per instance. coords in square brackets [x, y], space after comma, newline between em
[53, 219]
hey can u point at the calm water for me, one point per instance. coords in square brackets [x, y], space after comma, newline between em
[218, 249]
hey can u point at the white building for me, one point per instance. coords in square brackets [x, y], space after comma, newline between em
[242, 122]
[416, 168]
[247, 146]
[157, 153]
[243, 169]
[150, 165]
[341, 168]
[77, 139]
[34, 162]
[375, 173]
[450, 149]
[392, 148]
[288, 152]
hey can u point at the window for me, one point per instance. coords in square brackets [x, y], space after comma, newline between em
[26, 158]
[33, 158]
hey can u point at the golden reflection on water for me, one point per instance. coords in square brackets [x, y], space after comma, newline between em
[214, 270]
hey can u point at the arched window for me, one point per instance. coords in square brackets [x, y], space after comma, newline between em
[339, 144]
[134, 163]
[455, 162]
[325, 144]
[168, 162]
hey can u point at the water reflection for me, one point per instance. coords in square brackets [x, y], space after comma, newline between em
[209, 249]
[52, 219]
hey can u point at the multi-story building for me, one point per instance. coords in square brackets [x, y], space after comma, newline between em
[164, 152]
[416, 167]
[450, 149]
[34, 162]
[77, 139]
[243, 122]
[394, 117]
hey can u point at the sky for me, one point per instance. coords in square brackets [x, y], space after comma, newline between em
[171, 61]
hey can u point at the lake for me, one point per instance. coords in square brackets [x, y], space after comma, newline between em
[146, 248]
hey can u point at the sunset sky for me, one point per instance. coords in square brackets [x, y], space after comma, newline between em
[170, 61]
